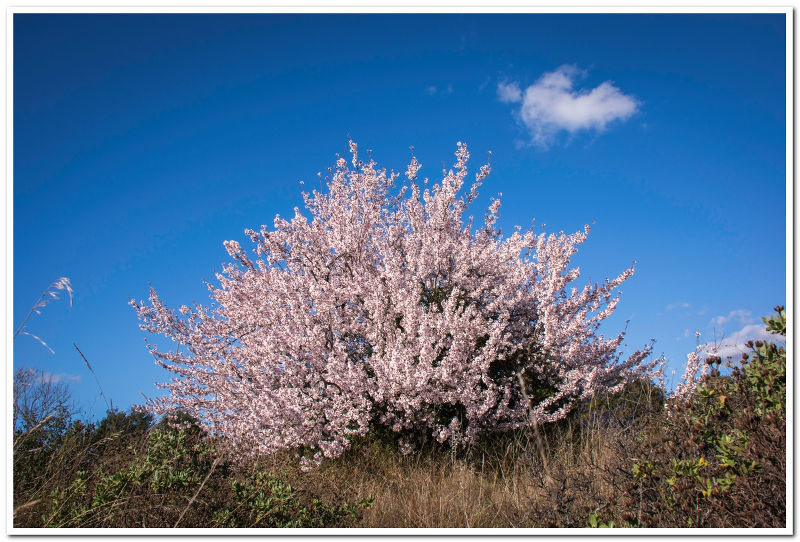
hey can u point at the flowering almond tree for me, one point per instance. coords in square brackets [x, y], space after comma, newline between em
[386, 308]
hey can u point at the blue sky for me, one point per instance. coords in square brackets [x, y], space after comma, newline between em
[142, 142]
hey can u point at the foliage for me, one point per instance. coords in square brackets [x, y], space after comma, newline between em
[265, 500]
[718, 457]
[596, 523]
[165, 477]
[385, 309]
[127, 423]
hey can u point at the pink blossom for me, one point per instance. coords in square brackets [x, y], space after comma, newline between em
[382, 307]
[693, 374]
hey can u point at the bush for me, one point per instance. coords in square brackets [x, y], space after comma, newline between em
[168, 477]
[265, 500]
[384, 310]
[126, 423]
[718, 459]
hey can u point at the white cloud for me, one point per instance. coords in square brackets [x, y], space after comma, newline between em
[743, 316]
[734, 345]
[552, 105]
[433, 89]
[681, 305]
[509, 92]
[54, 378]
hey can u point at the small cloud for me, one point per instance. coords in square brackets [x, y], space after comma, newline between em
[53, 378]
[741, 315]
[681, 305]
[734, 345]
[552, 104]
[433, 90]
[509, 92]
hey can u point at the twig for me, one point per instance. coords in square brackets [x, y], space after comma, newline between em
[93, 374]
[196, 493]
[641, 500]
[539, 444]
[31, 430]
[26, 506]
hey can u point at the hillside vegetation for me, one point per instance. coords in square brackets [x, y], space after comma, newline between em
[633, 458]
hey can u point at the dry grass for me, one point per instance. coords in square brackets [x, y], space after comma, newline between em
[510, 482]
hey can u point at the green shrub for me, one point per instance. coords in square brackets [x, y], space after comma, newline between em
[169, 476]
[266, 500]
[719, 459]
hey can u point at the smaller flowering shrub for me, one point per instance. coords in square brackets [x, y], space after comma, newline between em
[388, 308]
[692, 375]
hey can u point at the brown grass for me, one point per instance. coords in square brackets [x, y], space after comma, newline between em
[507, 483]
